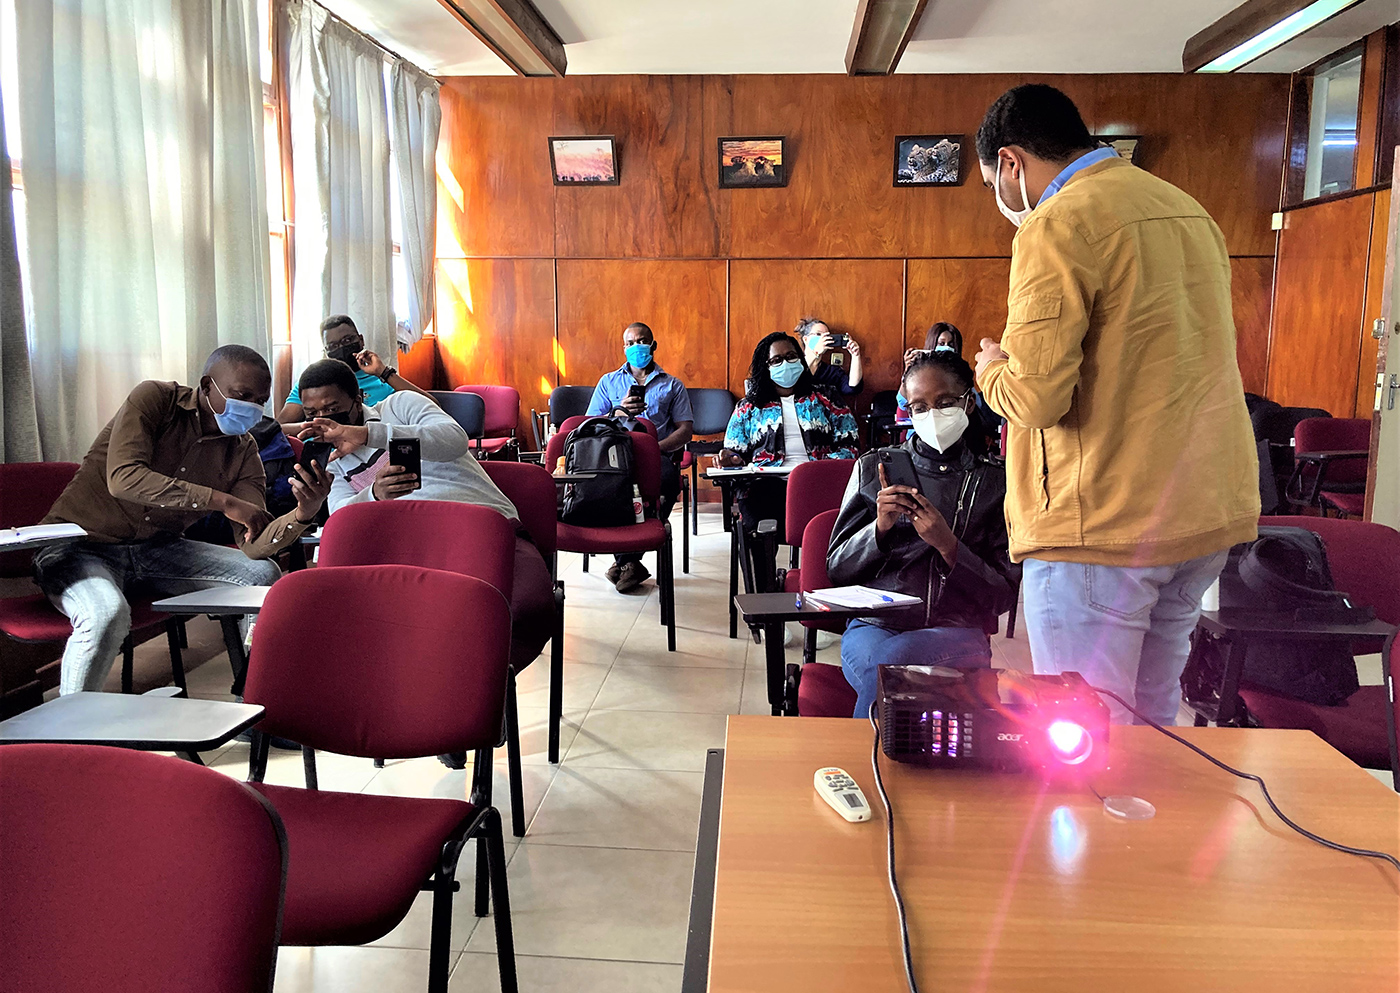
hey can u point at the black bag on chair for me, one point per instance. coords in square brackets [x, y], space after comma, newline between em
[1284, 570]
[603, 447]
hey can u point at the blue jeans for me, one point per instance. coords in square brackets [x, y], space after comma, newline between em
[865, 647]
[88, 582]
[1125, 629]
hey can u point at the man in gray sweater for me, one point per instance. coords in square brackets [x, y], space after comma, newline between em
[331, 398]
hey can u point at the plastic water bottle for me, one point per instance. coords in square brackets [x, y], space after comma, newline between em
[637, 513]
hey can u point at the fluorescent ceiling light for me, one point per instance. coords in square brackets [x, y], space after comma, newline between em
[881, 32]
[1271, 37]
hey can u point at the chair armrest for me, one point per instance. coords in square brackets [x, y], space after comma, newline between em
[1323, 458]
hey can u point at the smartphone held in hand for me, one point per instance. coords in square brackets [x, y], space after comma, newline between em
[315, 451]
[407, 452]
[899, 468]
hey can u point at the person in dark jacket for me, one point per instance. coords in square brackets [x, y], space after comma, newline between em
[945, 543]
[817, 343]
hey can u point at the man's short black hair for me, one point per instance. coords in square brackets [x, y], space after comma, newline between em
[639, 326]
[335, 321]
[1039, 118]
[237, 355]
[329, 372]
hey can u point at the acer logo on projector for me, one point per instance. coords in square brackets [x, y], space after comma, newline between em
[1008, 737]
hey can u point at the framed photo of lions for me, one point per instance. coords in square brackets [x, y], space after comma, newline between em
[750, 162]
[928, 159]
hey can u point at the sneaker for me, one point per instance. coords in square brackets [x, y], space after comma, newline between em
[631, 575]
[825, 639]
[613, 571]
[454, 760]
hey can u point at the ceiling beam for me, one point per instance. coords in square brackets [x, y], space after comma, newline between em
[515, 31]
[882, 31]
[1248, 22]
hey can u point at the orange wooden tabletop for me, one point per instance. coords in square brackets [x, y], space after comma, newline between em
[1011, 885]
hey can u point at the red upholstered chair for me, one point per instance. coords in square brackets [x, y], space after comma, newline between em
[502, 416]
[814, 488]
[651, 535]
[436, 534]
[1331, 454]
[822, 690]
[422, 672]
[27, 491]
[534, 494]
[128, 872]
[1362, 557]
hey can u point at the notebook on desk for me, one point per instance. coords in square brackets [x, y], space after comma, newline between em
[861, 597]
[40, 532]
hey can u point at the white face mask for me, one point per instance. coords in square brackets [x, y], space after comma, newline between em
[1016, 217]
[940, 429]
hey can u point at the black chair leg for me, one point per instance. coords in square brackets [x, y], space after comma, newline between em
[733, 581]
[440, 944]
[556, 674]
[177, 660]
[694, 499]
[585, 561]
[257, 756]
[1011, 620]
[184, 635]
[685, 532]
[668, 592]
[517, 786]
[505, 939]
[128, 665]
[481, 796]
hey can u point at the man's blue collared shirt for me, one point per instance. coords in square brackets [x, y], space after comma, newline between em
[1083, 162]
[667, 400]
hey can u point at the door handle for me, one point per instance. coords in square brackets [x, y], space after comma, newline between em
[1390, 393]
[1378, 328]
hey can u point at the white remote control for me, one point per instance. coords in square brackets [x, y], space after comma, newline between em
[840, 790]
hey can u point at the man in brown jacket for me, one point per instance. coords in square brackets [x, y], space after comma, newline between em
[1131, 467]
[170, 456]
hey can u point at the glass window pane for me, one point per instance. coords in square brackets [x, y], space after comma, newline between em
[1332, 119]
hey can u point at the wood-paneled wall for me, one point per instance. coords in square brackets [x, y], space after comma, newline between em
[535, 283]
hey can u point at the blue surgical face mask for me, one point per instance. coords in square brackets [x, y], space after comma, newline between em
[944, 348]
[786, 374]
[239, 416]
[639, 355]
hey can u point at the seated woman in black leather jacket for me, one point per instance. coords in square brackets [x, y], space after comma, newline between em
[946, 545]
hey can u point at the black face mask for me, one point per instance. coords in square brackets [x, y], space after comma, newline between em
[340, 416]
[347, 353]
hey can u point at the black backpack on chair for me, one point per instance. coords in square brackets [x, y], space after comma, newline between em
[1284, 569]
[603, 447]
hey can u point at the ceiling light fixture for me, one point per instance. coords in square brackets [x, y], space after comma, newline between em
[1254, 29]
[515, 31]
[881, 33]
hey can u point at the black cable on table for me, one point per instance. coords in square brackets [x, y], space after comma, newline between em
[889, 855]
[1362, 852]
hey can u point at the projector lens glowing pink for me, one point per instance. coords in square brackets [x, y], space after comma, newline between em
[1070, 741]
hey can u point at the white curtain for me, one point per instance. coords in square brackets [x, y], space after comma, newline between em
[340, 180]
[417, 116]
[145, 198]
[19, 422]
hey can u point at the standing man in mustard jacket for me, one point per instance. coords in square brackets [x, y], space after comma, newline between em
[1131, 467]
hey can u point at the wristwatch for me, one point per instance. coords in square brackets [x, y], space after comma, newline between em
[388, 371]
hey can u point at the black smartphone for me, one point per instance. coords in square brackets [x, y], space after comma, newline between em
[639, 391]
[899, 468]
[408, 452]
[839, 340]
[317, 451]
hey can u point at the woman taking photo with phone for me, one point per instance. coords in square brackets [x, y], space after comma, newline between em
[943, 541]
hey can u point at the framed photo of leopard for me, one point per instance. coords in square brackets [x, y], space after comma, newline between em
[928, 159]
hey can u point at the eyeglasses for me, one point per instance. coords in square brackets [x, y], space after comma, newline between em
[946, 402]
[777, 360]
[342, 342]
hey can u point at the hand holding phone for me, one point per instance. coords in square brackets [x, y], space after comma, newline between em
[315, 451]
[896, 503]
[408, 453]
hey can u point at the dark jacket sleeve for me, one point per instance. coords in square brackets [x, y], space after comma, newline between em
[854, 555]
[984, 568]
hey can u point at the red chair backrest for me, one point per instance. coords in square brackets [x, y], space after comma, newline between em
[1336, 434]
[27, 491]
[502, 408]
[384, 661]
[812, 488]
[432, 534]
[816, 540]
[126, 872]
[646, 456]
[535, 496]
[1363, 559]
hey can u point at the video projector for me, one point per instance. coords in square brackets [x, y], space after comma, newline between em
[991, 718]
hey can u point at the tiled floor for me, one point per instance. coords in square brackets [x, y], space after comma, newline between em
[600, 885]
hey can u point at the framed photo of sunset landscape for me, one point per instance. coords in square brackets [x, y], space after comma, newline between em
[745, 163]
[588, 160]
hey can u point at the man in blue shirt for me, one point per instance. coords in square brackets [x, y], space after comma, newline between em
[641, 388]
[378, 380]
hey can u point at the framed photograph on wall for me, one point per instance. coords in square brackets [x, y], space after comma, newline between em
[1124, 144]
[583, 161]
[928, 159]
[750, 162]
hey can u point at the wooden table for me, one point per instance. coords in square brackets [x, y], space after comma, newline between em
[1011, 885]
[228, 604]
[149, 723]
